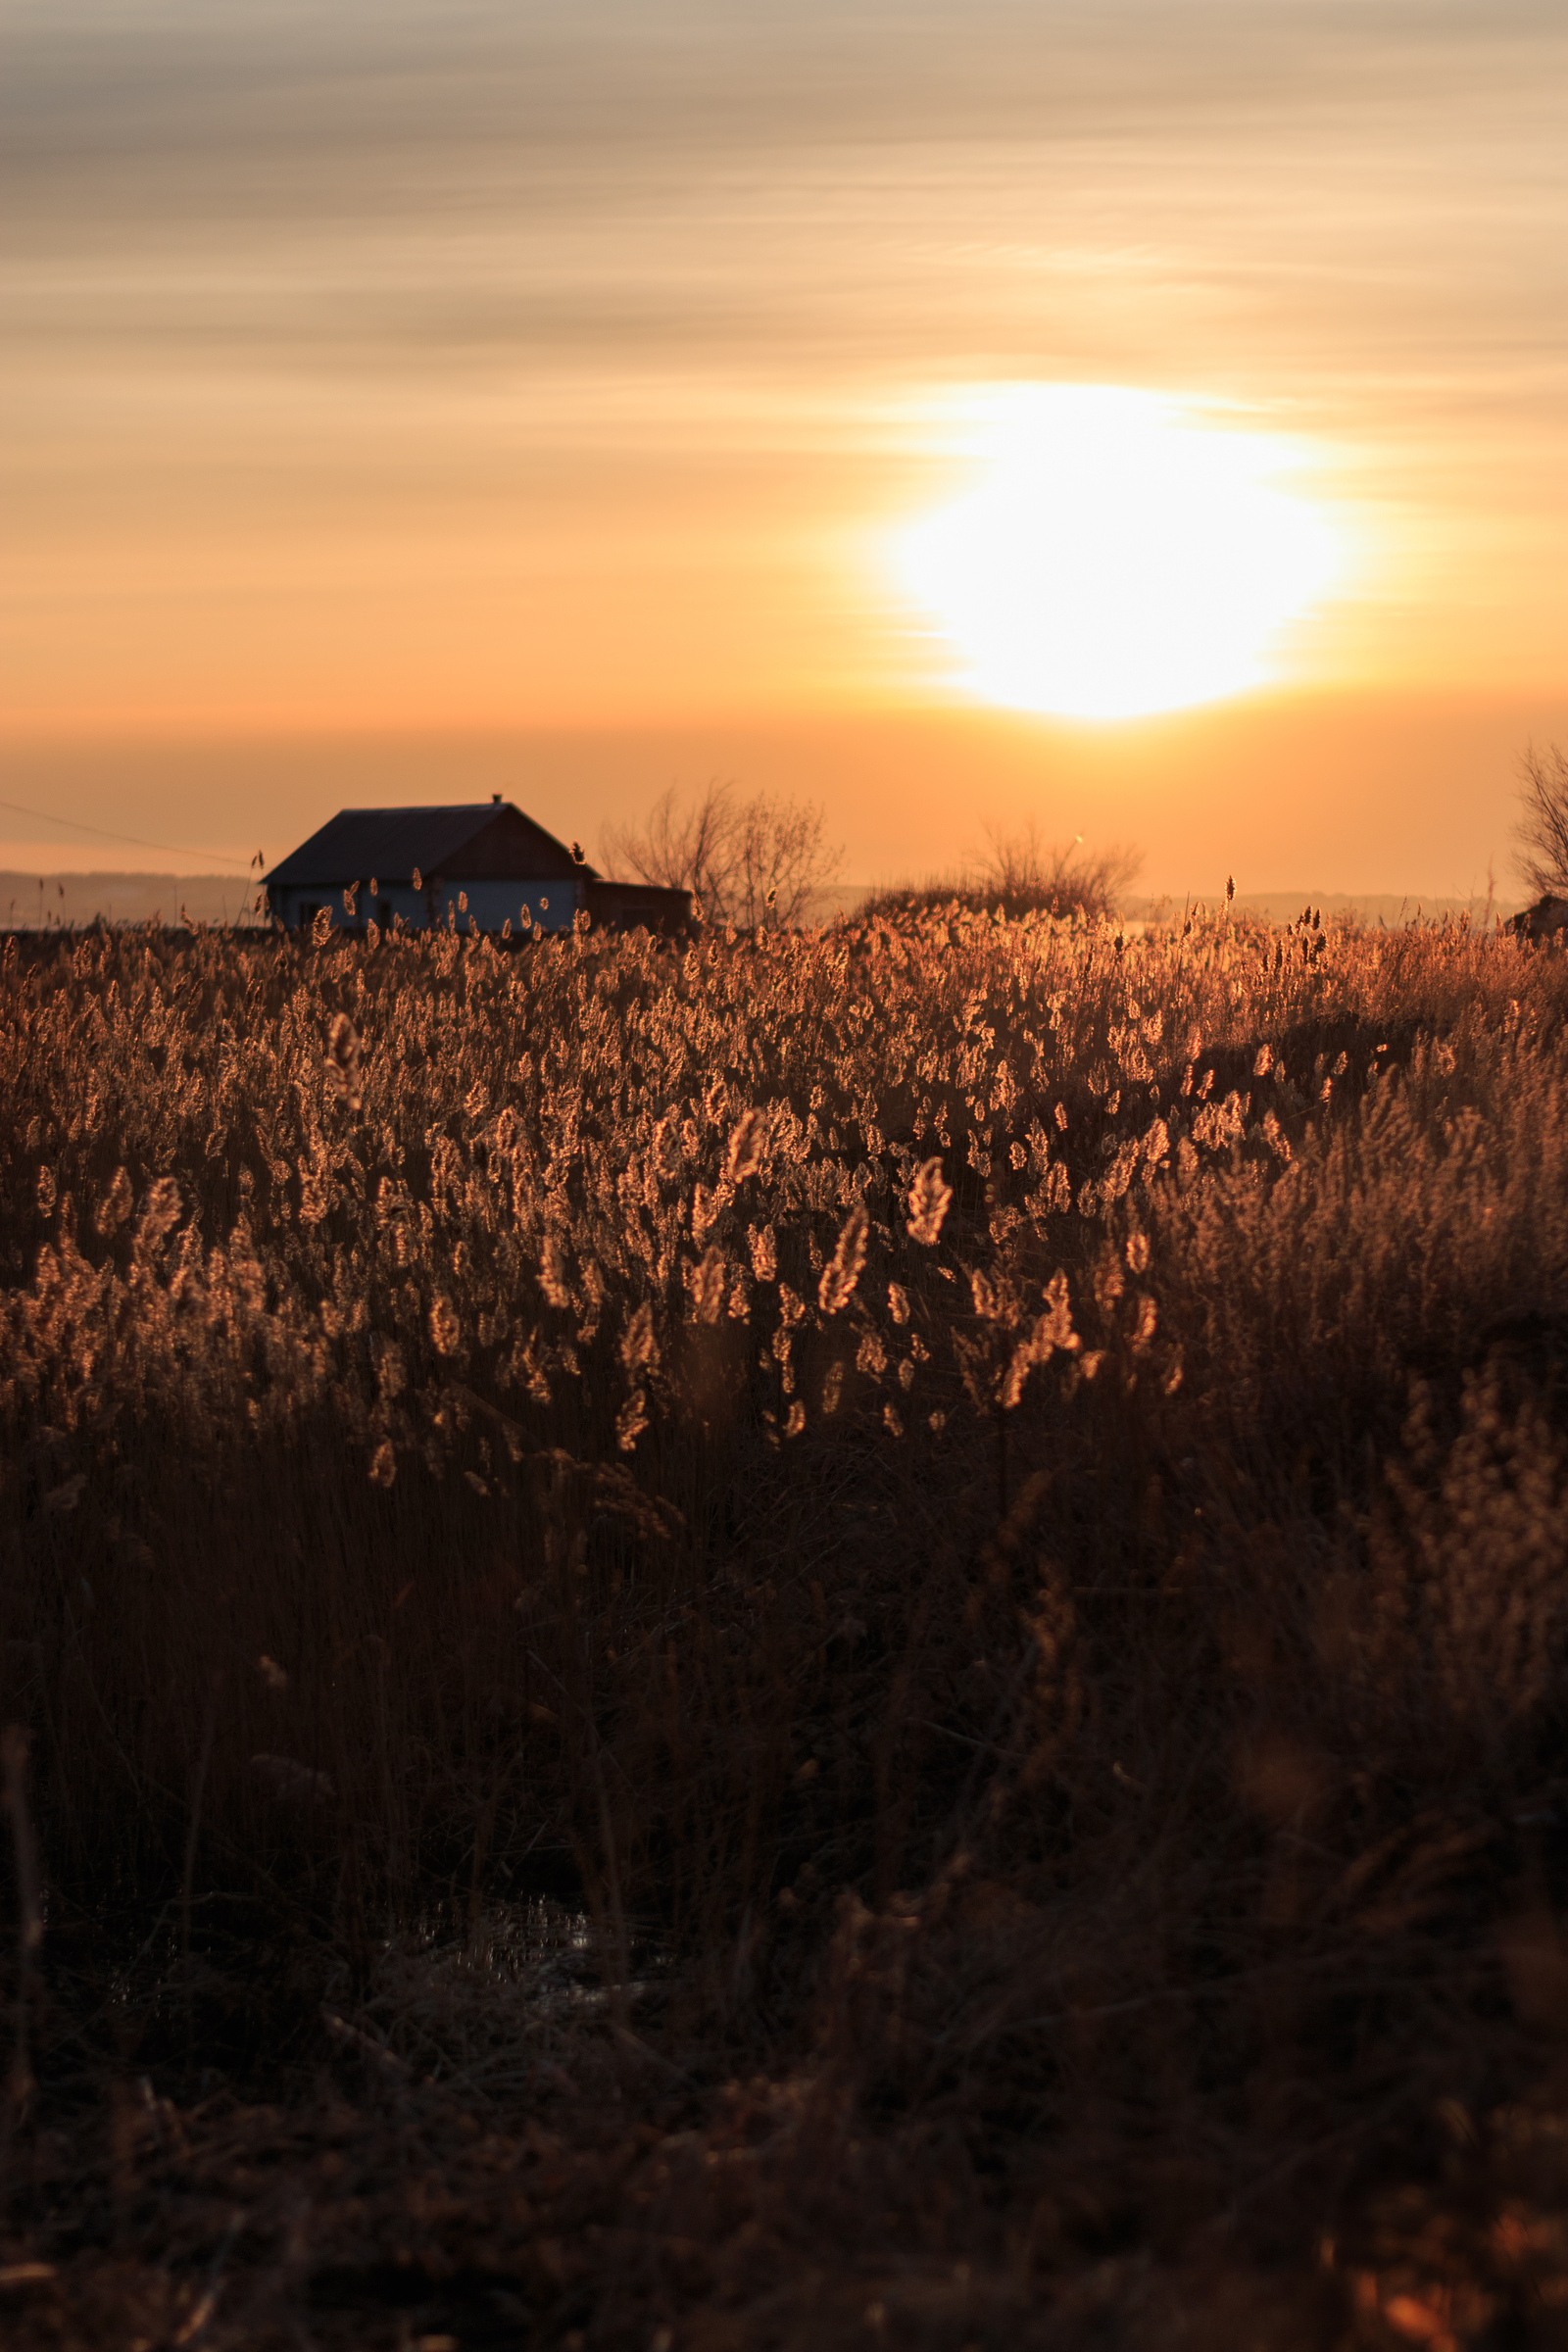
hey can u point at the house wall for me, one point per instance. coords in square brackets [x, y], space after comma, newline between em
[296, 907]
[639, 906]
[391, 898]
[552, 904]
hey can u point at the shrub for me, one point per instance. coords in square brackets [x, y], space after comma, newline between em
[1022, 875]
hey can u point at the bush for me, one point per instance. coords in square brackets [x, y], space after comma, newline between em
[1022, 875]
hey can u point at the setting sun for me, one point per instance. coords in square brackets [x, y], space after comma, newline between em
[1119, 554]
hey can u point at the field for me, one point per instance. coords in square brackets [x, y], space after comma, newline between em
[813, 1640]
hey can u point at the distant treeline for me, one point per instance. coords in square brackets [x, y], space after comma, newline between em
[29, 902]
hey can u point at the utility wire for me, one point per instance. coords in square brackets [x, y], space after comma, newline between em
[134, 840]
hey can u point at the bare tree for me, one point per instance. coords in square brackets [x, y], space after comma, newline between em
[1541, 832]
[1023, 873]
[746, 862]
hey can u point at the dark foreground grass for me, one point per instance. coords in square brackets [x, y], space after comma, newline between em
[839, 1638]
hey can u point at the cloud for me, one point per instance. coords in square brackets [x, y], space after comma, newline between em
[308, 303]
[118, 113]
[1015, 187]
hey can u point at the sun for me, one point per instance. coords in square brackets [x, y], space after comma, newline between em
[1120, 553]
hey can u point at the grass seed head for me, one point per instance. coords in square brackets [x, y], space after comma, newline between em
[639, 1346]
[843, 1269]
[746, 1140]
[929, 1201]
[707, 1284]
[344, 1050]
[160, 1212]
[115, 1206]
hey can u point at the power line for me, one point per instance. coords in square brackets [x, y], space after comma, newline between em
[133, 840]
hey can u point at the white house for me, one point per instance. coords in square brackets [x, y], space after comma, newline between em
[481, 865]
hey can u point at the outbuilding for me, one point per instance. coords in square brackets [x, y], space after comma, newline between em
[481, 865]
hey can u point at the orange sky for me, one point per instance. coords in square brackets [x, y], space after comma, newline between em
[404, 401]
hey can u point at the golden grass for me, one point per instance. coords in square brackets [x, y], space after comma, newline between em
[985, 1499]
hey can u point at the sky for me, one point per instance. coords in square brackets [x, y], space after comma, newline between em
[1145, 418]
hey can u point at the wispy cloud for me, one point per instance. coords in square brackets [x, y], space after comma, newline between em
[466, 294]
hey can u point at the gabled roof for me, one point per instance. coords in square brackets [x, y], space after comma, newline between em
[477, 841]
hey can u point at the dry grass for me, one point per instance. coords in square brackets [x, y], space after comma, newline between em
[982, 1502]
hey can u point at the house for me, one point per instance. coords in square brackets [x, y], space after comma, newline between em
[482, 865]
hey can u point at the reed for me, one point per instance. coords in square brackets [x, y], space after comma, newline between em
[985, 1497]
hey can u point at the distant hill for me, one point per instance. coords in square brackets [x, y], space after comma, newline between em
[27, 903]
[1365, 906]
[70, 901]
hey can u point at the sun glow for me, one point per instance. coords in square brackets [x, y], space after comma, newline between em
[1119, 554]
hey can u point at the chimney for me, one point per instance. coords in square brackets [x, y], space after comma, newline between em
[495, 798]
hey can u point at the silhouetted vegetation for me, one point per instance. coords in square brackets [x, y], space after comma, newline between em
[1022, 875]
[753, 859]
[1541, 832]
[851, 1636]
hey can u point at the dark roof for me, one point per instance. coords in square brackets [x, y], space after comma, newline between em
[479, 841]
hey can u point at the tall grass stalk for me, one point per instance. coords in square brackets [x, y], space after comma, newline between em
[985, 1497]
